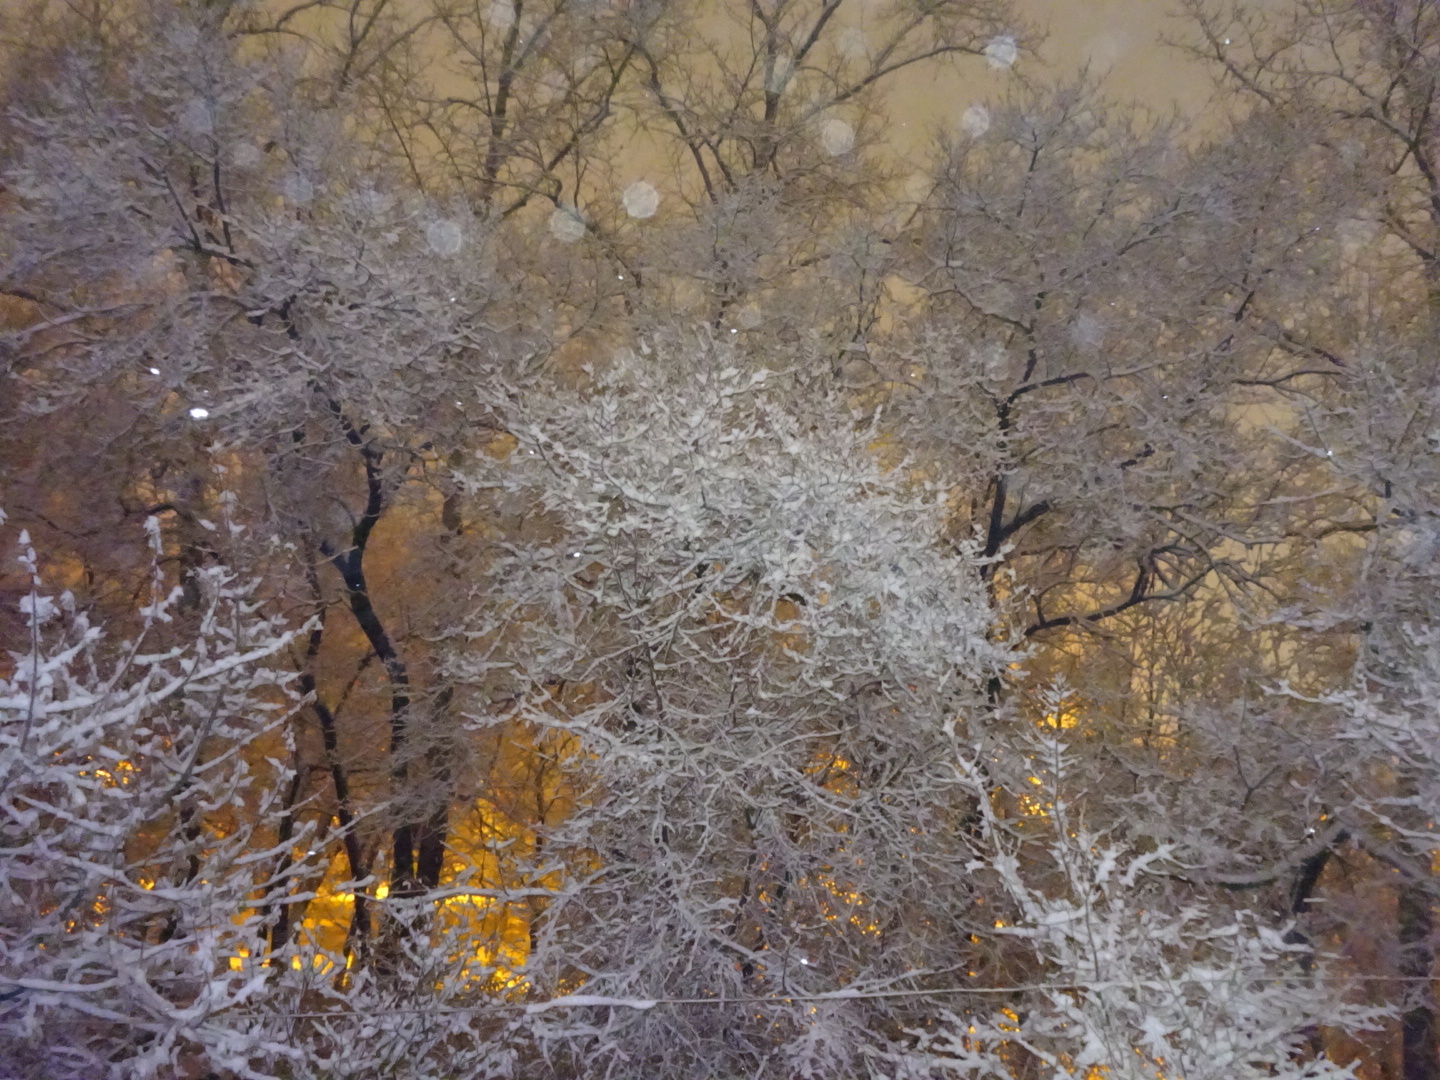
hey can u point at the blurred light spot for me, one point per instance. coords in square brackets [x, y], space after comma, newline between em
[853, 45]
[244, 155]
[837, 137]
[566, 224]
[1104, 49]
[444, 237]
[372, 203]
[1087, 332]
[917, 188]
[1002, 52]
[500, 15]
[779, 75]
[298, 189]
[196, 118]
[199, 413]
[640, 199]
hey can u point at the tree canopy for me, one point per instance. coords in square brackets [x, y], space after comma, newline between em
[542, 542]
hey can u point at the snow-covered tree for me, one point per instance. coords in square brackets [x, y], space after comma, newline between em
[1133, 971]
[142, 834]
[652, 539]
[740, 631]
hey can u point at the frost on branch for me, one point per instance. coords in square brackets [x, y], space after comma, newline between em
[1135, 975]
[747, 644]
[136, 826]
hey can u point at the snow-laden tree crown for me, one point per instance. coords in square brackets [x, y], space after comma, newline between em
[543, 541]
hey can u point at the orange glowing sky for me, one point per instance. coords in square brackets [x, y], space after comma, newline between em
[1119, 39]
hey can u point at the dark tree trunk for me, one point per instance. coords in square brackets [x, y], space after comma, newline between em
[276, 910]
[1417, 960]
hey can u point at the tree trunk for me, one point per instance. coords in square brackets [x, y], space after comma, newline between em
[1417, 960]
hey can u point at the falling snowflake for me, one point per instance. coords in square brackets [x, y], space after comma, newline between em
[245, 155]
[917, 188]
[1002, 52]
[370, 203]
[1355, 233]
[837, 137]
[298, 189]
[444, 237]
[197, 118]
[992, 360]
[182, 36]
[552, 87]
[1087, 332]
[566, 224]
[640, 199]
[500, 15]
[853, 44]
[779, 75]
[199, 413]
[1104, 49]
[975, 121]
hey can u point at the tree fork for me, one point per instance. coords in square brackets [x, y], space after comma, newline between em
[417, 847]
